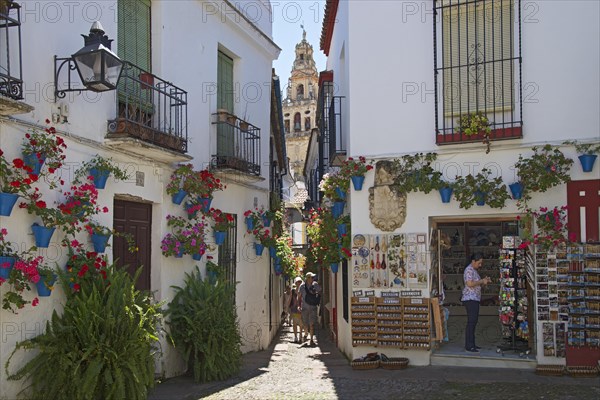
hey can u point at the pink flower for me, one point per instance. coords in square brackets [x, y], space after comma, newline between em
[35, 302]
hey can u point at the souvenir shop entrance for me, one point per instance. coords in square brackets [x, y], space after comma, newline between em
[503, 330]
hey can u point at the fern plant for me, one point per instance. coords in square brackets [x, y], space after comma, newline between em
[101, 347]
[415, 173]
[468, 190]
[204, 327]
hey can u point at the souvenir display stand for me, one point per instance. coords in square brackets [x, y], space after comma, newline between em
[364, 323]
[583, 338]
[513, 299]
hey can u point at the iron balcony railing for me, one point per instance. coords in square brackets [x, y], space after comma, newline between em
[150, 109]
[11, 69]
[238, 144]
[477, 68]
[337, 151]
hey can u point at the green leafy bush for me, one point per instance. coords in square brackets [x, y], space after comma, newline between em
[101, 347]
[204, 327]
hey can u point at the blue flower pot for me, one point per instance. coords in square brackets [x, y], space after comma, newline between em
[220, 237]
[34, 163]
[516, 189]
[341, 228]
[100, 242]
[446, 194]
[266, 221]
[42, 235]
[7, 202]
[587, 162]
[178, 197]
[205, 202]
[258, 247]
[6, 265]
[278, 269]
[334, 267]
[100, 177]
[479, 198]
[179, 253]
[249, 224]
[357, 182]
[197, 257]
[340, 193]
[44, 288]
[272, 252]
[338, 208]
[189, 214]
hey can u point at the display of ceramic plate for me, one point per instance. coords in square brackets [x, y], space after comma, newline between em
[359, 240]
[363, 251]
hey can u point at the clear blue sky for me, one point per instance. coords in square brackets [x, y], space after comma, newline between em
[288, 16]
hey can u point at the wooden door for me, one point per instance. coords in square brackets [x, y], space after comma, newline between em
[583, 200]
[135, 219]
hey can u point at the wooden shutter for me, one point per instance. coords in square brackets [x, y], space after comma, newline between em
[225, 83]
[134, 32]
[477, 40]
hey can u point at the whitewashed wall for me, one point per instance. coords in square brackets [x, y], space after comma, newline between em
[388, 81]
[186, 36]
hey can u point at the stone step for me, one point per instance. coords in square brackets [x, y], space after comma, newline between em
[479, 361]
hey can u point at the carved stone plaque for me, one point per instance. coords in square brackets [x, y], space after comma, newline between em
[387, 208]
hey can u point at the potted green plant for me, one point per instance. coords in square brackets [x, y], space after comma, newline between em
[47, 279]
[480, 189]
[8, 256]
[221, 223]
[175, 187]
[323, 236]
[100, 168]
[546, 168]
[473, 124]
[41, 147]
[24, 273]
[588, 152]
[414, 173]
[334, 186]
[100, 235]
[551, 227]
[51, 219]
[356, 169]
[14, 181]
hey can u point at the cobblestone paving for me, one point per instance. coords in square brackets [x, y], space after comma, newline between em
[291, 371]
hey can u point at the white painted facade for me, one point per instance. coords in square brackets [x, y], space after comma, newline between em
[186, 36]
[382, 59]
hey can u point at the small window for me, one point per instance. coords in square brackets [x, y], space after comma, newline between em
[307, 123]
[300, 92]
[287, 125]
[297, 122]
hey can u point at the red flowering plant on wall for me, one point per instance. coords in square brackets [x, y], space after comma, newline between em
[82, 201]
[51, 217]
[46, 146]
[551, 224]
[83, 266]
[202, 184]
[355, 167]
[14, 177]
[221, 221]
[322, 233]
[27, 270]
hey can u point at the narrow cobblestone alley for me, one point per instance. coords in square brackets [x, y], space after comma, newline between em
[290, 371]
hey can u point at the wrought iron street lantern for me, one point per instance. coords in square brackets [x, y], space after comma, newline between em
[98, 67]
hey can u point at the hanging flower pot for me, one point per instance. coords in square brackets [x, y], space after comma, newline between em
[272, 252]
[340, 193]
[266, 221]
[341, 228]
[480, 198]
[100, 177]
[258, 247]
[197, 257]
[179, 196]
[100, 242]
[7, 202]
[6, 265]
[190, 214]
[179, 253]
[587, 162]
[44, 288]
[33, 162]
[205, 202]
[334, 267]
[357, 182]
[220, 237]
[516, 189]
[249, 223]
[42, 235]
[338, 208]
[446, 194]
[278, 269]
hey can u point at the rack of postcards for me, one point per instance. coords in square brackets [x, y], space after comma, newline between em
[584, 295]
[513, 293]
[391, 321]
[551, 284]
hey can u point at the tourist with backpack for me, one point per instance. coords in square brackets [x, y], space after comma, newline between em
[310, 292]
[294, 310]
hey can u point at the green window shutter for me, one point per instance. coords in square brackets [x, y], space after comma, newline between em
[477, 40]
[225, 83]
[134, 30]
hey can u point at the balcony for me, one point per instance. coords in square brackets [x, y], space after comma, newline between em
[337, 151]
[151, 117]
[11, 70]
[238, 148]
